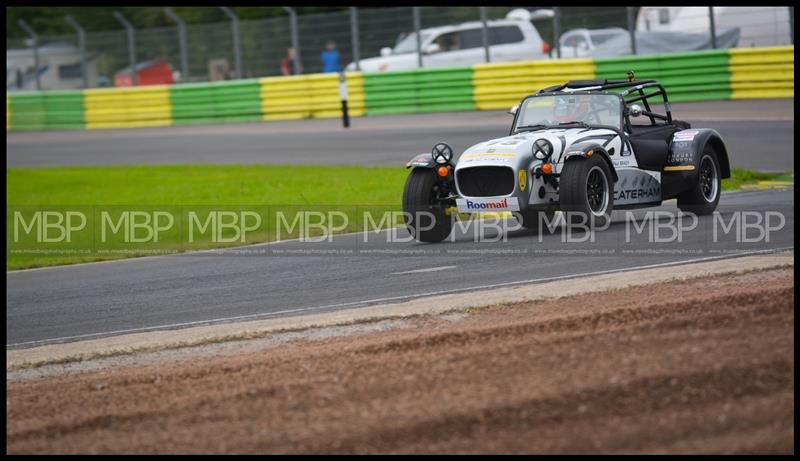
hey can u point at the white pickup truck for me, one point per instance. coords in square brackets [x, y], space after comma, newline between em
[514, 38]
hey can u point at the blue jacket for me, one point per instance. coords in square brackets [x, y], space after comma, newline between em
[330, 61]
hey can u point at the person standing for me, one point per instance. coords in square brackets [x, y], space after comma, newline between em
[288, 63]
[330, 58]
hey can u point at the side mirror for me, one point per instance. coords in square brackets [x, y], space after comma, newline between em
[386, 51]
[432, 48]
[513, 110]
[635, 110]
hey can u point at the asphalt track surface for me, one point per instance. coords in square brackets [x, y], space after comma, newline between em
[758, 133]
[70, 303]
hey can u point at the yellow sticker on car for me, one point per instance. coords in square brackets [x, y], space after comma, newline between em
[523, 180]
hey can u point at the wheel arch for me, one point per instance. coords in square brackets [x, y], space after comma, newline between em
[581, 150]
[421, 161]
[715, 141]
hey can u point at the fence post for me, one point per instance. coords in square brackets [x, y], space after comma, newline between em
[417, 26]
[35, 39]
[632, 28]
[237, 48]
[557, 30]
[485, 34]
[131, 46]
[181, 42]
[354, 36]
[343, 98]
[295, 38]
[81, 46]
[713, 28]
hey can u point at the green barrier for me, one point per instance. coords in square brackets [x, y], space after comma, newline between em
[426, 90]
[192, 103]
[64, 110]
[238, 101]
[232, 101]
[694, 76]
[27, 111]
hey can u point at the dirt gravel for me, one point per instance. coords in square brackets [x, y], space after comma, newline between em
[701, 366]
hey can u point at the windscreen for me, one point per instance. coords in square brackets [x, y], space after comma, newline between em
[409, 43]
[593, 109]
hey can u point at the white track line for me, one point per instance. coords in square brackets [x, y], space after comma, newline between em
[420, 271]
[393, 298]
[187, 253]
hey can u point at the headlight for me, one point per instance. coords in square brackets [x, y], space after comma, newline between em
[442, 153]
[542, 149]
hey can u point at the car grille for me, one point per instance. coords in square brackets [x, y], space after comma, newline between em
[485, 181]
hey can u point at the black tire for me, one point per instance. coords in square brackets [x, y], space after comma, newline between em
[703, 197]
[578, 176]
[418, 197]
[534, 219]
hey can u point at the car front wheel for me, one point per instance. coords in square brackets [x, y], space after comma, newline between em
[586, 191]
[424, 215]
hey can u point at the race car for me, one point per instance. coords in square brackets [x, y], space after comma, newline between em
[585, 148]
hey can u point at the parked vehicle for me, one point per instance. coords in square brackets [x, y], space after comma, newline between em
[511, 39]
[153, 72]
[59, 68]
[585, 148]
[616, 41]
[577, 43]
[758, 25]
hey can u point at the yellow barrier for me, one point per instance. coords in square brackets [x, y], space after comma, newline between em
[315, 95]
[762, 72]
[127, 107]
[500, 86]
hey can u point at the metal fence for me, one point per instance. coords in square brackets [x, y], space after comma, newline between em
[209, 51]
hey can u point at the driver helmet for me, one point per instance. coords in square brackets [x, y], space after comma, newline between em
[571, 108]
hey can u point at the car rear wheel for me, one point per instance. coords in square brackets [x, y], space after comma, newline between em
[425, 216]
[586, 191]
[703, 197]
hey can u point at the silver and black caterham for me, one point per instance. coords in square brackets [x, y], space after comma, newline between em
[585, 148]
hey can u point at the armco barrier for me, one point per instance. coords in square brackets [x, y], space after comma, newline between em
[315, 95]
[500, 86]
[427, 90]
[63, 110]
[56, 110]
[695, 76]
[27, 111]
[136, 107]
[762, 72]
[232, 101]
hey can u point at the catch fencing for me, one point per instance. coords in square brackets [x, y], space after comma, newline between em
[698, 76]
[208, 51]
